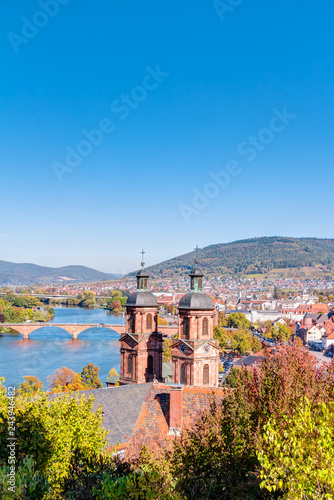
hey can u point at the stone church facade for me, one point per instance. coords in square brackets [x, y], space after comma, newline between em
[195, 353]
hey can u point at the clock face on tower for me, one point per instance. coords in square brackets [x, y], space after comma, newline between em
[183, 348]
[207, 348]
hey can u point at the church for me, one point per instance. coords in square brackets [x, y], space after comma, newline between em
[143, 410]
[195, 353]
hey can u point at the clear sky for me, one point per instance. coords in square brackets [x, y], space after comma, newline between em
[215, 124]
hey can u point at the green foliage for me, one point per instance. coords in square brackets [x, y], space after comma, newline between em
[30, 386]
[51, 431]
[29, 482]
[240, 340]
[280, 332]
[223, 336]
[256, 344]
[143, 484]
[87, 300]
[16, 309]
[299, 462]
[233, 377]
[90, 376]
[149, 478]
[86, 473]
[167, 350]
[117, 302]
[218, 458]
[236, 320]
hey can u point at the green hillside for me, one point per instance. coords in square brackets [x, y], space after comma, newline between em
[294, 256]
[29, 274]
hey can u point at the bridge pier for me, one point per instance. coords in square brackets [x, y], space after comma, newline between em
[25, 336]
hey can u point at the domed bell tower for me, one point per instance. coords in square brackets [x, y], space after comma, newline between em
[195, 354]
[141, 345]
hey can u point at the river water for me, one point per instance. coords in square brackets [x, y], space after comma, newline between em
[50, 348]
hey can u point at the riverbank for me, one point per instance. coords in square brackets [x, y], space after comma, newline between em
[50, 348]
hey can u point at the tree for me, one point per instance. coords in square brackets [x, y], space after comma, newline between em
[116, 295]
[280, 332]
[256, 344]
[51, 311]
[116, 305]
[90, 376]
[242, 341]
[298, 342]
[217, 459]
[19, 302]
[113, 373]
[223, 337]
[167, 350]
[29, 483]
[30, 386]
[87, 299]
[2, 318]
[61, 378]
[162, 321]
[39, 317]
[51, 432]
[236, 320]
[299, 462]
[221, 318]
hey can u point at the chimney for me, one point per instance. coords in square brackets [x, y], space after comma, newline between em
[176, 410]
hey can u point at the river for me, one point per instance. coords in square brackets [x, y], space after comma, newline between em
[50, 348]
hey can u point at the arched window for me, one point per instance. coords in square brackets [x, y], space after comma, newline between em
[150, 365]
[183, 375]
[205, 327]
[130, 364]
[132, 323]
[149, 322]
[186, 328]
[206, 375]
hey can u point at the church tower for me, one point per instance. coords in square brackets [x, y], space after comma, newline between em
[195, 354]
[141, 345]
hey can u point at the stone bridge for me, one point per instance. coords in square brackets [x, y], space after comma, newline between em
[25, 329]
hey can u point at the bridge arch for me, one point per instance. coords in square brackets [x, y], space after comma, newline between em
[14, 328]
[96, 329]
[54, 333]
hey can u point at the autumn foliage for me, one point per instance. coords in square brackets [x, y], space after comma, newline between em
[219, 457]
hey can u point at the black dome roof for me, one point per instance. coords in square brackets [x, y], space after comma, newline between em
[197, 301]
[142, 299]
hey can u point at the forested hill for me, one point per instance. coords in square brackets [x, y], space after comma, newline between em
[257, 256]
[29, 274]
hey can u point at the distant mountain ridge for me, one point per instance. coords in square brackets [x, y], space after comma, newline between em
[255, 256]
[32, 274]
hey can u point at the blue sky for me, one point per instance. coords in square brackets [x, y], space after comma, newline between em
[198, 83]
